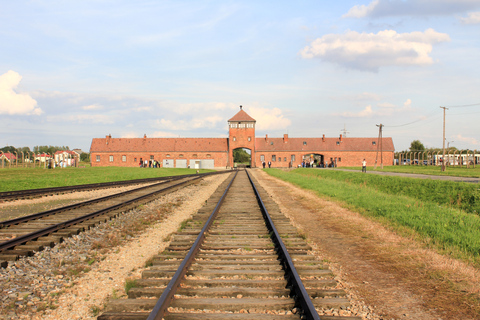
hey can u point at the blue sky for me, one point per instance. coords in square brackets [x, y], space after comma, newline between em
[71, 71]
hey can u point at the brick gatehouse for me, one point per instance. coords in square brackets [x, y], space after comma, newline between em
[218, 152]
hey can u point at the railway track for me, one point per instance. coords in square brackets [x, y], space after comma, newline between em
[43, 192]
[244, 261]
[24, 235]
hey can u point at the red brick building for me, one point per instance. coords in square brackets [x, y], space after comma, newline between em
[218, 152]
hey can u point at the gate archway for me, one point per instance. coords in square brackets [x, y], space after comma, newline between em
[242, 157]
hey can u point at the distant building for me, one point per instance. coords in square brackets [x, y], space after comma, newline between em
[79, 151]
[8, 156]
[218, 152]
[42, 157]
[66, 158]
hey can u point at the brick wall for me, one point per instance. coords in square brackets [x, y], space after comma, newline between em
[133, 158]
[344, 159]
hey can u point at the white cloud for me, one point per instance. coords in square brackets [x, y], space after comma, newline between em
[367, 112]
[385, 109]
[469, 140]
[92, 107]
[143, 109]
[360, 11]
[129, 135]
[364, 96]
[195, 123]
[369, 51]
[383, 8]
[473, 18]
[12, 102]
[164, 134]
[82, 118]
[202, 107]
[268, 119]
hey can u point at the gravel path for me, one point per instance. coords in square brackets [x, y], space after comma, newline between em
[74, 279]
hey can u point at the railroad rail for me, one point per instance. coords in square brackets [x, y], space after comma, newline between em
[37, 193]
[24, 235]
[243, 261]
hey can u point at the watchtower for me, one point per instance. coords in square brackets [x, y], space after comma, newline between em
[241, 134]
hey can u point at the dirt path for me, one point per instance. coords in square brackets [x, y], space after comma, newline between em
[395, 276]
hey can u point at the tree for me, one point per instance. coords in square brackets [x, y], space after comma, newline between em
[416, 145]
[85, 157]
[240, 156]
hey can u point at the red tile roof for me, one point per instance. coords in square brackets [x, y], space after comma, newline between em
[241, 116]
[321, 144]
[9, 156]
[159, 145]
[66, 151]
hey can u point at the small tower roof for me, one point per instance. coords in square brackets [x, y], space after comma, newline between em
[241, 116]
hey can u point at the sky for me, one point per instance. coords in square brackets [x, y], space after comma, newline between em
[71, 71]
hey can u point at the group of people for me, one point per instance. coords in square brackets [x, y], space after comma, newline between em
[149, 164]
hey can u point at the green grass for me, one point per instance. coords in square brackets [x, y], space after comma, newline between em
[448, 229]
[431, 170]
[36, 178]
[465, 196]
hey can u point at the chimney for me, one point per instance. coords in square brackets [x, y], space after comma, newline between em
[340, 137]
[107, 139]
[145, 136]
[266, 137]
[323, 138]
[285, 138]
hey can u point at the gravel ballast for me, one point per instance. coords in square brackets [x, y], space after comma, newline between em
[74, 279]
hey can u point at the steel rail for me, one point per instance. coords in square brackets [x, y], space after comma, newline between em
[6, 195]
[298, 291]
[62, 225]
[42, 214]
[163, 302]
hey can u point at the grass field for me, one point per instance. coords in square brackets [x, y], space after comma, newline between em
[432, 170]
[21, 179]
[439, 223]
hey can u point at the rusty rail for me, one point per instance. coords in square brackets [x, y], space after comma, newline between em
[42, 232]
[298, 291]
[161, 306]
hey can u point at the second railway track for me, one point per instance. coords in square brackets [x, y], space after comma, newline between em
[232, 265]
[22, 236]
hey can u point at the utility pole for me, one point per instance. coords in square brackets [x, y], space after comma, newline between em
[379, 145]
[443, 156]
[344, 131]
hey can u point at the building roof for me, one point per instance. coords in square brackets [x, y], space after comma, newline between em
[110, 144]
[66, 152]
[9, 156]
[268, 144]
[241, 116]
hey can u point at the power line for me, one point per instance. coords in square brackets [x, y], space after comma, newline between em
[409, 123]
[464, 106]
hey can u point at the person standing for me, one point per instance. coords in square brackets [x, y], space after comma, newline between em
[364, 166]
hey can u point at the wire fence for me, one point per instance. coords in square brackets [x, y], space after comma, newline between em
[45, 160]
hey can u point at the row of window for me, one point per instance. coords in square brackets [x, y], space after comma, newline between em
[274, 158]
[292, 158]
[235, 138]
[242, 125]
[124, 157]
